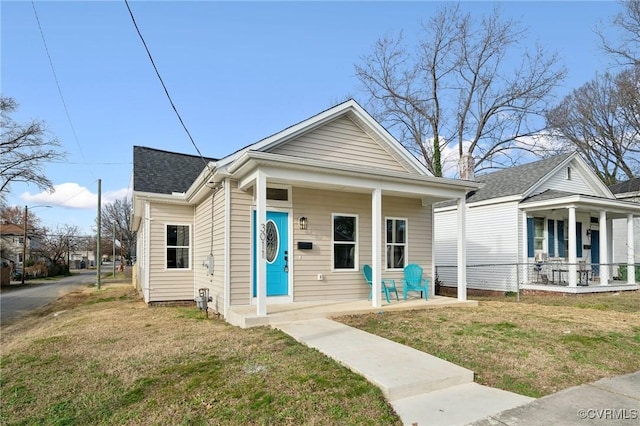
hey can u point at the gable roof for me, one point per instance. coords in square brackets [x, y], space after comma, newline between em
[13, 229]
[515, 180]
[349, 108]
[164, 172]
[631, 185]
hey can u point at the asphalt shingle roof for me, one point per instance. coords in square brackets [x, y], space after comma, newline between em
[164, 172]
[631, 185]
[512, 181]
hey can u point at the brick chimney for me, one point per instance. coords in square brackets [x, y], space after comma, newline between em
[467, 166]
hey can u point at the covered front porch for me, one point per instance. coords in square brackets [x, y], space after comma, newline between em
[568, 243]
[246, 316]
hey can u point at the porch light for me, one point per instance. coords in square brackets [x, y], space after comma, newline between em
[302, 221]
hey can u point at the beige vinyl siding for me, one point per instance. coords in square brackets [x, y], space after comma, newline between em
[240, 246]
[342, 141]
[169, 284]
[206, 243]
[318, 206]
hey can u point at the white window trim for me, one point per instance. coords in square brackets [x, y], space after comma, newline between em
[356, 255]
[278, 203]
[190, 247]
[405, 244]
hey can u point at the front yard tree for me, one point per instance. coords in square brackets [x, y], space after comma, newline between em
[467, 83]
[116, 217]
[24, 150]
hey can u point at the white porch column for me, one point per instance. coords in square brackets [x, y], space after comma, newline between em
[261, 263]
[631, 252]
[604, 248]
[525, 250]
[462, 249]
[573, 279]
[376, 247]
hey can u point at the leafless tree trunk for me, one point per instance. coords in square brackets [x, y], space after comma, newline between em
[459, 87]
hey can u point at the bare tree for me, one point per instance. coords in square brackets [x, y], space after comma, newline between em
[56, 243]
[600, 120]
[15, 215]
[457, 87]
[24, 150]
[625, 49]
[116, 217]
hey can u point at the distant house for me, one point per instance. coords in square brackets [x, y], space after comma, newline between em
[12, 243]
[291, 218]
[545, 225]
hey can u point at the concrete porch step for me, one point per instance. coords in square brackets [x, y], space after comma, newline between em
[398, 370]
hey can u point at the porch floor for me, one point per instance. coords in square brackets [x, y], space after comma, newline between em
[245, 316]
[590, 287]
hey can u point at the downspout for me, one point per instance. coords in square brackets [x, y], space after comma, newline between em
[147, 255]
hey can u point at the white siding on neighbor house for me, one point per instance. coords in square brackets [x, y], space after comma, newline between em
[240, 246]
[342, 141]
[620, 240]
[559, 182]
[318, 206]
[491, 240]
[169, 284]
[207, 243]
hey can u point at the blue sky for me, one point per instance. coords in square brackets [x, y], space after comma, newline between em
[237, 72]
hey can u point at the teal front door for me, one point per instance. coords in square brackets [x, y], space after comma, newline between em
[273, 240]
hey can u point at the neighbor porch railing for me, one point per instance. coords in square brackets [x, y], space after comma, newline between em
[510, 277]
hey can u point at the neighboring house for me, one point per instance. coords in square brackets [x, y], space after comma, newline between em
[12, 243]
[291, 218]
[629, 191]
[546, 225]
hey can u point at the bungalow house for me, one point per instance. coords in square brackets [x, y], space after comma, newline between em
[545, 225]
[291, 218]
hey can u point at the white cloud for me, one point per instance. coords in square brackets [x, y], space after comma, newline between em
[73, 195]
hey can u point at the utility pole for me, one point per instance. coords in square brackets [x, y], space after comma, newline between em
[98, 253]
[114, 250]
[24, 245]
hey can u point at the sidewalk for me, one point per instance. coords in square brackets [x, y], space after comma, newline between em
[610, 401]
[423, 390]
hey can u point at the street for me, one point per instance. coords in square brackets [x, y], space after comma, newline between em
[17, 302]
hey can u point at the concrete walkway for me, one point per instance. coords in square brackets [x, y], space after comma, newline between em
[423, 390]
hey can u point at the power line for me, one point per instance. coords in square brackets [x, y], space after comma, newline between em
[55, 77]
[166, 91]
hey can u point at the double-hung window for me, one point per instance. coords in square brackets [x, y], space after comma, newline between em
[538, 234]
[178, 246]
[345, 241]
[396, 243]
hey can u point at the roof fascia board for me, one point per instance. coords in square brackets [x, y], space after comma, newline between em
[253, 158]
[318, 177]
[605, 204]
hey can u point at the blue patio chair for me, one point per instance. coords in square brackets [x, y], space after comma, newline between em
[413, 281]
[387, 284]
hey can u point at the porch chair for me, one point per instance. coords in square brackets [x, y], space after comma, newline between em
[413, 281]
[388, 285]
[583, 272]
